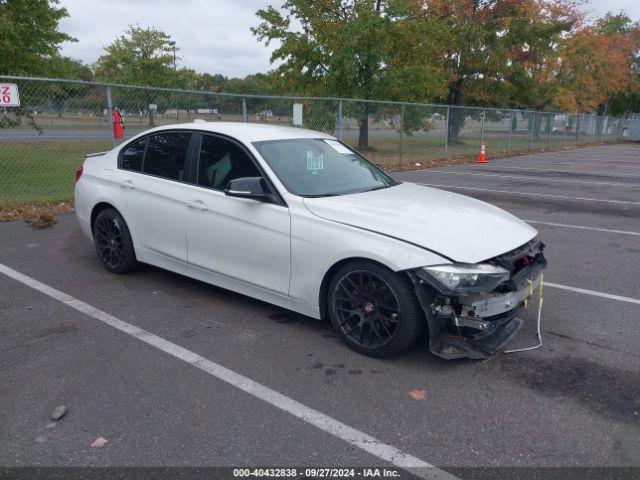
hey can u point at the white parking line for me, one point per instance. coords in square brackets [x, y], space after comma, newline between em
[355, 437]
[577, 161]
[593, 292]
[537, 162]
[580, 227]
[606, 174]
[582, 199]
[542, 179]
[591, 152]
[620, 156]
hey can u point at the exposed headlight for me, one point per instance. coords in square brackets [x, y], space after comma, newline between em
[464, 278]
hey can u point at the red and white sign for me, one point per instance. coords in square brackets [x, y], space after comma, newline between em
[9, 95]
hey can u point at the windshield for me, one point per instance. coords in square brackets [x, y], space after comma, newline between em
[314, 167]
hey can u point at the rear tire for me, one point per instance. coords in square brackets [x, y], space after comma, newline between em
[113, 243]
[374, 310]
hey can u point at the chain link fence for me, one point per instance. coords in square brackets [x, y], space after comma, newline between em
[632, 131]
[58, 122]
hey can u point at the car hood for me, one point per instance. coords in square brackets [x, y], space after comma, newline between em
[460, 228]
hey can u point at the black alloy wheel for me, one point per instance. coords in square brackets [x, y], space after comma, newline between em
[374, 310]
[368, 311]
[113, 242]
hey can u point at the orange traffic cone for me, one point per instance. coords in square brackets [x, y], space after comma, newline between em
[483, 156]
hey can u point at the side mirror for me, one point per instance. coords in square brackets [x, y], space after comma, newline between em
[249, 187]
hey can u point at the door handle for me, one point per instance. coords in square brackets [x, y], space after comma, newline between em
[196, 204]
[127, 184]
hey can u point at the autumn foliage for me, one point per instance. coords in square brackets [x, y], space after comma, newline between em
[536, 54]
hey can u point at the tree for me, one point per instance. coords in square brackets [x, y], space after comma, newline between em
[142, 56]
[257, 84]
[594, 68]
[619, 25]
[535, 54]
[30, 35]
[614, 23]
[492, 52]
[212, 83]
[538, 36]
[340, 50]
[69, 68]
[469, 55]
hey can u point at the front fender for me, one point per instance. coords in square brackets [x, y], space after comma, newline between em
[318, 244]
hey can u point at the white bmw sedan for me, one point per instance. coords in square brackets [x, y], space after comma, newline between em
[298, 219]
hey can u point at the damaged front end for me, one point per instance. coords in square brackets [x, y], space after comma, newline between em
[472, 310]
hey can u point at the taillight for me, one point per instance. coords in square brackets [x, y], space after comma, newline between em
[79, 173]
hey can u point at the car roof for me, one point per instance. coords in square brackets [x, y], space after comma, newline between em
[249, 132]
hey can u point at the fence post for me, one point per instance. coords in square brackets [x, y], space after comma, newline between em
[577, 129]
[245, 117]
[340, 119]
[619, 130]
[401, 133]
[564, 130]
[510, 131]
[110, 114]
[549, 128]
[533, 126]
[482, 128]
[446, 134]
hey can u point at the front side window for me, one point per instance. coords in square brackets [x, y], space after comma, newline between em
[165, 155]
[315, 167]
[133, 154]
[222, 161]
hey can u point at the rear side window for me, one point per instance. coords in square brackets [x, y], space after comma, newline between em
[132, 155]
[222, 161]
[165, 155]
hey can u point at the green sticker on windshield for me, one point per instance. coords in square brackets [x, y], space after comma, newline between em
[314, 163]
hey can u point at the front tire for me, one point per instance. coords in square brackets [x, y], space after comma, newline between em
[113, 242]
[374, 310]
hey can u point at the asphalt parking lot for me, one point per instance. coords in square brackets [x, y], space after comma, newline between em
[573, 402]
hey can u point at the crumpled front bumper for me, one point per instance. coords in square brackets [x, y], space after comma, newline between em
[479, 325]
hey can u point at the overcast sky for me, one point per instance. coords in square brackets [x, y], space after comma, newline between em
[213, 35]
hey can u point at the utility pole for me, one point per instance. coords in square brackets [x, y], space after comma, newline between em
[172, 44]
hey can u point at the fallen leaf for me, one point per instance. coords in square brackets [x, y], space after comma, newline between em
[99, 442]
[418, 394]
[58, 412]
[21, 212]
[44, 221]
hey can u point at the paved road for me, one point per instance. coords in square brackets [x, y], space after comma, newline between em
[93, 132]
[576, 401]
